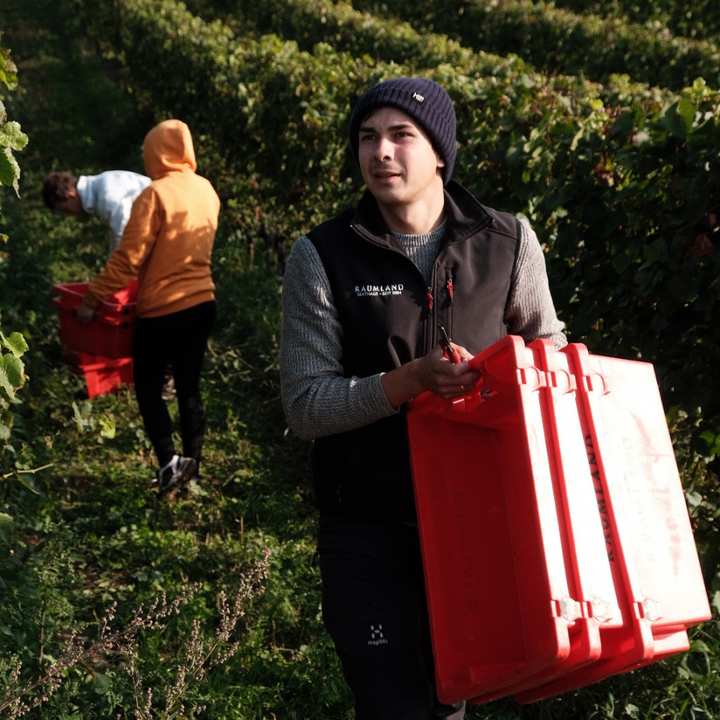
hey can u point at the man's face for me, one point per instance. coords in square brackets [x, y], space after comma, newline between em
[397, 160]
[71, 205]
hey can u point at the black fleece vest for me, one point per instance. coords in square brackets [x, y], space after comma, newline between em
[389, 317]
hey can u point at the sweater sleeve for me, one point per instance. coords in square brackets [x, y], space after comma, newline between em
[530, 311]
[317, 399]
[137, 243]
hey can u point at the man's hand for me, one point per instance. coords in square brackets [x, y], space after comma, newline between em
[432, 372]
[84, 314]
[446, 378]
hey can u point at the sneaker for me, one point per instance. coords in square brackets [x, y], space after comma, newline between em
[168, 391]
[177, 472]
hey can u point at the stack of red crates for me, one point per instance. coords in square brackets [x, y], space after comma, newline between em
[102, 349]
[556, 541]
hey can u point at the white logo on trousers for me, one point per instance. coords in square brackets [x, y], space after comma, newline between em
[376, 636]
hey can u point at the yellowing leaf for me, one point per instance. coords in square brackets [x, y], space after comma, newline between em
[7, 170]
[12, 136]
[5, 383]
[14, 370]
[15, 343]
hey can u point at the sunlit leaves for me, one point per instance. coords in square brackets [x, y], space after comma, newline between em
[8, 70]
[15, 343]
[12, 378]
[566, 37]
[11, 137]
[12, 370]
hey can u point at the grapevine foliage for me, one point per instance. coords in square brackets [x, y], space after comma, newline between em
[12, 378]
[621, 181]
[12, 348]
[11, 136]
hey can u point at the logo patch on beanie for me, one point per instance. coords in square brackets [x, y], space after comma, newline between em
[417, 96]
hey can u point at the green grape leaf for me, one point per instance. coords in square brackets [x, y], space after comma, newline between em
[15, 343]
[107, 427]
[6, 526]
[101, 683]
[7, 69]
[678, 118]
[5, 383]
[686, 110]
[14, 370]
[7, 169]
[12, 136]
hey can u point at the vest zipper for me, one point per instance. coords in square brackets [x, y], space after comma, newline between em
[428, 325]
[451, 299]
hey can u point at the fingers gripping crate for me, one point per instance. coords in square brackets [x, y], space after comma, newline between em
[110, 333]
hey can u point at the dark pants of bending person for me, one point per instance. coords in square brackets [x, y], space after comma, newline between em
[375, 610]
[179, 340]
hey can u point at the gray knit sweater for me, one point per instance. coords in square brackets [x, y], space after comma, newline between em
[317, 399]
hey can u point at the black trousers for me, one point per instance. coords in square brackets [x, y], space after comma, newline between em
[375, 610]
[179, 340]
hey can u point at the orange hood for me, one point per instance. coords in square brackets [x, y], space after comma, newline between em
[168, 147]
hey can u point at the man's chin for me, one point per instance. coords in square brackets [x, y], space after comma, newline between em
[387, 192]
[390, 200]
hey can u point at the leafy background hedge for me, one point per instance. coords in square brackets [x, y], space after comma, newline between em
[618, 174]
[559, 40]
[698, 19]
[619, 180]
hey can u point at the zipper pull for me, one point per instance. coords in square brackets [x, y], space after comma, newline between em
[430, 298]
[451, 292]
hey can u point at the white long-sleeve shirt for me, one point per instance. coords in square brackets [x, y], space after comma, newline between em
[110, 195]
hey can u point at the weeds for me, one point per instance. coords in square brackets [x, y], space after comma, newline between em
[121, 646]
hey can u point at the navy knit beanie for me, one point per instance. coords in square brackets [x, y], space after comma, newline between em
[424, 101]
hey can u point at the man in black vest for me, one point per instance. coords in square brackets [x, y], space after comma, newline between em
[364, 295]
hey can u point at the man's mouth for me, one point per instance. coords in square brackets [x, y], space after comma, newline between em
[385, 173]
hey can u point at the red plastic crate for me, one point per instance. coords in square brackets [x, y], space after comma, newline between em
[110, 334]
[103, 375]
[640, 497]
[493, 552]
[537, 581]
[588, 569]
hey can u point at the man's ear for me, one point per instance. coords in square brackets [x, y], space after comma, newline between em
[440, 161]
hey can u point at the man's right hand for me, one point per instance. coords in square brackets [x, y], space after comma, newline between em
[432, 372]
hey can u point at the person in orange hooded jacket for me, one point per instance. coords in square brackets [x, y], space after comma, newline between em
[167, 244]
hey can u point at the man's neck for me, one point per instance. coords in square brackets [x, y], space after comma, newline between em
[415, 219]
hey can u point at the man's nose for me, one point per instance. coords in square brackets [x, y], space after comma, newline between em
[384, 149]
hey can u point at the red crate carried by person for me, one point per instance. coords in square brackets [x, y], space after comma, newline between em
[111, 332]
[102, 349]
[102, 375]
